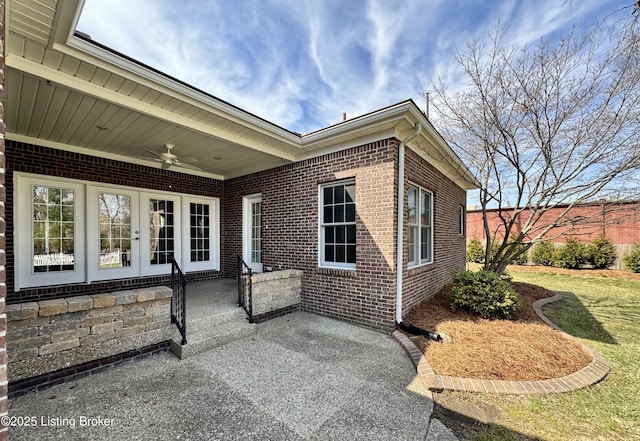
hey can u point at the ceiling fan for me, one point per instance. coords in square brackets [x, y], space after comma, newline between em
[168, 159]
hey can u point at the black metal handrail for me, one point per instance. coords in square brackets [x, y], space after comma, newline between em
[178, 300]
[245, 294]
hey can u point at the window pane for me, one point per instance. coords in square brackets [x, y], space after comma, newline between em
[328, 195]
[350, 214]
[351, 193]
[425, 243]
[198, 231]
[52, 226]
[341, 253]
[329, 236]
[411, 205]
[340, 235]
[425, 207]
[351, 253]
[328, 215]
[329, 255]
[339, 213]
[413, 233]
[351, 234]
[338, 194]
[114, 214]
[161, 231]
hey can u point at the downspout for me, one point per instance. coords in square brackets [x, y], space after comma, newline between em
[400, 242]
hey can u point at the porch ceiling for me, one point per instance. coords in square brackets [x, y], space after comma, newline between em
[62, 97]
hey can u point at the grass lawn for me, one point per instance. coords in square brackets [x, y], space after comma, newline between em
[604, 313]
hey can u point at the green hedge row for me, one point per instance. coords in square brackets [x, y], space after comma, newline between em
[574, 254]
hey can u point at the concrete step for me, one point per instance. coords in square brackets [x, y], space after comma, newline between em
[209, 334]
[232, 314]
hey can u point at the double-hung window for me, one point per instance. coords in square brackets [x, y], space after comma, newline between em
[338, 225]
[420, 223]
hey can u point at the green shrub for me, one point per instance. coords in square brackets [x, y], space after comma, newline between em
[523, 257]
[542, 253]
[485, 294]
[633, 260]
[475, 250]
[573, 254]
[601, 252]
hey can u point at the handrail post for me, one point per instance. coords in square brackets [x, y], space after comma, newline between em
[179, 300]
[242, 288]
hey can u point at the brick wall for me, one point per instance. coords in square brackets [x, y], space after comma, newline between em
[618, 221]
[290, 230]
[29, 158]
[3, 270]
[449, 246]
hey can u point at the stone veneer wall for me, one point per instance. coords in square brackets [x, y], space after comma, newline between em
[276, 290]
[49, 335]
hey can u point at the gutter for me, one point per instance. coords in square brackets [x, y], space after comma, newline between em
[405, 326]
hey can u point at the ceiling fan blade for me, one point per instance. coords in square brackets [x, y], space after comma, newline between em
[147, 158]
[183, 165]
[159, 155]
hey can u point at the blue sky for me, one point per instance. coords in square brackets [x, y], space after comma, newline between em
[302, 63]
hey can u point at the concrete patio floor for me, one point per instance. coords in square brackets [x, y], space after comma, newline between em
[300, 377]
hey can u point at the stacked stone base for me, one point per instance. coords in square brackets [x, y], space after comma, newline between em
[276, 291]
[50, 335]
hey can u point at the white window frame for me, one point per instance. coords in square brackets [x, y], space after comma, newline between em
[214, 235]
[462, 221]
[86, 230]
[322, 263]
[417, 260]
[23, 233]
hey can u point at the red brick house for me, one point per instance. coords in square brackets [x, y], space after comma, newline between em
[620, 221]
[90, 211]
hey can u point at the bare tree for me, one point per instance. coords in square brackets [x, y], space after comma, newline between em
[546, 124]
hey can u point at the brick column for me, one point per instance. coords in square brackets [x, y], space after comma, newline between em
[3, 276]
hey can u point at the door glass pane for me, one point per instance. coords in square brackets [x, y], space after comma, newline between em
[52, 229]
[161, 231]
[114, 214]
[199, 224]
[256, 232]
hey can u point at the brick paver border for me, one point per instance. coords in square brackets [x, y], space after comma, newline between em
[591, 374]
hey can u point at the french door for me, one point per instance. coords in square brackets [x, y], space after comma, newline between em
[70, 231]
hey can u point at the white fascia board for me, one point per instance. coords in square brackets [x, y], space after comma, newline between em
[101, 93]
[96, 153]
[111, 62]
[397, 112]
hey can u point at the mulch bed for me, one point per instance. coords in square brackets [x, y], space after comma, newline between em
[524, 349]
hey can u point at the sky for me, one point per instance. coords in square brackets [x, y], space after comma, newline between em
[301, 63]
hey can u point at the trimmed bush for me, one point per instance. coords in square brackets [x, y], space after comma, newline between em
[601, 252]
[523, 258]
[633, 260]
[485, 294]
[475, 250]
[542, 253]
[572, 255]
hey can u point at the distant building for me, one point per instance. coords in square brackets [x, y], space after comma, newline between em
[620, 221]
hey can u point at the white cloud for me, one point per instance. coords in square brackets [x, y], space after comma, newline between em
[301, 64]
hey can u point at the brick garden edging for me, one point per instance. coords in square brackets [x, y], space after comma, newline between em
[591, 374]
